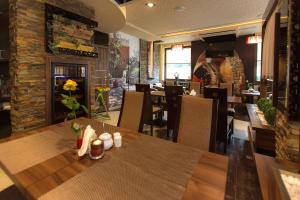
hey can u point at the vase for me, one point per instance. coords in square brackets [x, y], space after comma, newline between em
[79, 142]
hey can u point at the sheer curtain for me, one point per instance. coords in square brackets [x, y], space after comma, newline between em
[268, 49]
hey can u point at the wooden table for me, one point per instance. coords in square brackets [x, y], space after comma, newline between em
[250, 95]
[264, 141]
[208, 179]
[268, 183]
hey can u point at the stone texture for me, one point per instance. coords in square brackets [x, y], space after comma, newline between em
[232, 69]
[28, 59]
[144, 62]
[287, 138]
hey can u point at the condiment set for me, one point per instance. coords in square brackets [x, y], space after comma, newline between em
[95, 146]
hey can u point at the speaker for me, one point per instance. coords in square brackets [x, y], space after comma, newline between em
[101, 38]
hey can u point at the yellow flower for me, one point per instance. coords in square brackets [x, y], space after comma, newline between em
[70, 85]
[102, 89]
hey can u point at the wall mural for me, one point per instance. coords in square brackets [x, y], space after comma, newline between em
[123, 66]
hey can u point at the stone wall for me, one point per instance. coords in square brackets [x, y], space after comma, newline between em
[144, 62]
[287, 138]
[28, 59]
[232, 70]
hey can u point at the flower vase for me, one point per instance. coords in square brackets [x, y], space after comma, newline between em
[79, 142]
[77, 130]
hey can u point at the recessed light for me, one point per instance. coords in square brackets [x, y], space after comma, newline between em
[150, 4]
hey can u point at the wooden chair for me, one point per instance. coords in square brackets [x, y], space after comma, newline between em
[131, 111]
[229, 86]
[225, 122]
[169, 83]
[196, 86]
[149, 110]
[196, 129]
[172, 98]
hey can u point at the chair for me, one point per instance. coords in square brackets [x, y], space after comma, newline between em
[148, 109]
[169, 83]
[229, 86]
[225, 122]
[196, 129]
[172, 98]
[131, 111]
[196, 86]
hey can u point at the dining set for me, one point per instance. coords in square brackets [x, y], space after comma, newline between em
[44, 163]
[171, 98]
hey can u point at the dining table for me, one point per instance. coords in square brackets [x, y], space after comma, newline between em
[230, 99]
[43, 164]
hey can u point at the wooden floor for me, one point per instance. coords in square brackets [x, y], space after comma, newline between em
[242, 181]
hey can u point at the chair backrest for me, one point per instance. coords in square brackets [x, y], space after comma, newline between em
[196, 86]
[198, 122]
[169, 83]
[147, 110]
[172, 98]
[221, 95]
[131, 111]
[229, 87]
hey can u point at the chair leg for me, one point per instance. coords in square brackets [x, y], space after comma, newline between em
[151, 128]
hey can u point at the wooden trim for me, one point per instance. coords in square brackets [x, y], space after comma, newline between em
[122, 106]
[49, 61]
[214, 126]
[276, 60]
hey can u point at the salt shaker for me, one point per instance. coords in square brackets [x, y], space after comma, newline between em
[117, 139]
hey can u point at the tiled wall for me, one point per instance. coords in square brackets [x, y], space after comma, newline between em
[28, 59]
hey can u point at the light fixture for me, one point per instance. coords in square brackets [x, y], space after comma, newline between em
[253, 39]
[177, 47]
[150, 4]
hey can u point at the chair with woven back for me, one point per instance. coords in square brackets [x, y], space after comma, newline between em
[196, 129]
[169, 83]
[230, 89]
[149, 108]
[172, 98]
[225, 122]
[131, 111]
[196, 86]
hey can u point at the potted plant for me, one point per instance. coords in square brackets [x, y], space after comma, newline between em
[266, 106]
[70, 102]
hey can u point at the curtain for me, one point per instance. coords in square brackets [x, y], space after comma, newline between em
[268, 48]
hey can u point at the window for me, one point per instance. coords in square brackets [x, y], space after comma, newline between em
[258, 62]
[178, 61]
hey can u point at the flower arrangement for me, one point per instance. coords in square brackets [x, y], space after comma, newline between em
[100, 97]
[70, 101]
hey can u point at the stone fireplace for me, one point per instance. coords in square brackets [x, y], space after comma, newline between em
[29, 62]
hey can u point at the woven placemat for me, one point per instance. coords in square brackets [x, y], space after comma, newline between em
[148, 168]
[20, 154]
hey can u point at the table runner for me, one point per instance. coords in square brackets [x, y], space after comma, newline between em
[148, 168]
[20, 154]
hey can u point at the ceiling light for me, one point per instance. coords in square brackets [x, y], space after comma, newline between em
[150, 4]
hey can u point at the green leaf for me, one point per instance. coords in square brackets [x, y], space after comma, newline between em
[84, 109]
